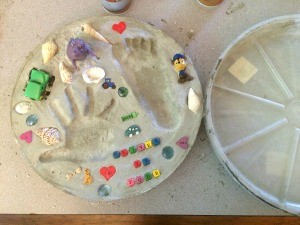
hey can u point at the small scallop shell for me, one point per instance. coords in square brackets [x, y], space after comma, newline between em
[49, 50]
[49, 135]
[65, 73]
[194, 102]
[23, 107]
[93, 75]
[88, 29]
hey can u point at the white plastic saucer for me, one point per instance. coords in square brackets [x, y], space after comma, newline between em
[253, 111]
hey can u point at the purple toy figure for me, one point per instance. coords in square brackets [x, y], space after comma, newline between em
[78, 50]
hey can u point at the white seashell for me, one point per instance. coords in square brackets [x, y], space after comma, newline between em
[194, 102]
[93, 75]
[65, 73]
[23, 107]
[78, 170]
[49, 49]
[88, 29]
[49, 135]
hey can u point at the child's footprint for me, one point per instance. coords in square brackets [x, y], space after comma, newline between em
[147, 72]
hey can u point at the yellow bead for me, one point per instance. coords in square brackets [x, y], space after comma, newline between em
[156, 173]
[148, 144]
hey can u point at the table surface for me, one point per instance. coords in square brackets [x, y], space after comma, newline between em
[200, 185]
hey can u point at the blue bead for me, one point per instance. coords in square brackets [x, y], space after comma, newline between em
[116, 154]
[104, 190]
[146, 161]
[32, 120]
[168, 152]
[156, 141]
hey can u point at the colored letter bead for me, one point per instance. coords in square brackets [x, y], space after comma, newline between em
[146, 161]
[148, 144]
[132, 150]
[148, 176]
[137, 163]
[139, 179]
[124, 152]
[130, 182]
[141, 147]
[156, 173]
[116, 154]
[156, 141]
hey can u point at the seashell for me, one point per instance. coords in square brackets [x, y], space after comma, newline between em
[88, 29]
[93, 75]
[65, 73]
[194, 102]
[49, 49]
[49, 135]
[78, 170]
[23, 107]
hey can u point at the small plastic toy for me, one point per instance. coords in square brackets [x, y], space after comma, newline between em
[129, 116]
[108, 83]
[132, 130]
[88, 179]
[36, 86]
[78, 50]
[180, 66]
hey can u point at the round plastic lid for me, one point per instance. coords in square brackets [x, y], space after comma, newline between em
[253, 111]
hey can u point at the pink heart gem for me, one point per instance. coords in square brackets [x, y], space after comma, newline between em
[27, 136]
[120, 27]
[182, 142]
[108, 172]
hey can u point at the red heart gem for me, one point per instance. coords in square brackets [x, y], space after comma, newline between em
[120, 27]
[27, 136]
[182, 142]
[108, 172]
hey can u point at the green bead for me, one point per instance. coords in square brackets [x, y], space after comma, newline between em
[168, 152]
[148, 176]
[132, 149]
[123, 91]
[104, 190]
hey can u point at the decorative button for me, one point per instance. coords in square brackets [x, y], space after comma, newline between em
[124, 152]
[132, 149]
[146, 161]
[141, 147]
[168, 152]
[130, 182]
[116, 154]
[148, 144]
[156, 173]
[148, 176]
[139, 179]
[32, 120]
[104, 190]
[137, 163]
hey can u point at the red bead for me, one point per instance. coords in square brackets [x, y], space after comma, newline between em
[124, 152]
[137, 163]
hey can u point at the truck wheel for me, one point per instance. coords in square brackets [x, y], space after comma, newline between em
[51, 81]
[47, 93]
[105, 85]
[113, 86]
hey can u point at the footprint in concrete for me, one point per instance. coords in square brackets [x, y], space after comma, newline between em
[146, 69]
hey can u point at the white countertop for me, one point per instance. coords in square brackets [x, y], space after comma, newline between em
[200, 185]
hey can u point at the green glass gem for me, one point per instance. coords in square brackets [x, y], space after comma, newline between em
[132, 149]
[123, 91]
[32, 120]
[148, 176]
[168, 152]
[104, 190]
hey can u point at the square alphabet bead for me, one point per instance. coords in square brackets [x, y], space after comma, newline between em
[146, 161]
[132, 149]
[148, 144]
[156, 173]
[139, 179]
[141, 147]
[124, 152]
[137, 163]
[156, 141]
[130, 182]
[148, 176]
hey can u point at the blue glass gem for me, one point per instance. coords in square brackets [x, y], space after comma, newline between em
[168, 152]
[146, 161]
[104, 190]
[32, 120]
[116, 154]
[156, 141]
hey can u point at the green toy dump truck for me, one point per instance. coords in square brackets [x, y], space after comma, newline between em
[36, 86]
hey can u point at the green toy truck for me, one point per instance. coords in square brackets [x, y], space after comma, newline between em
[36, 86]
